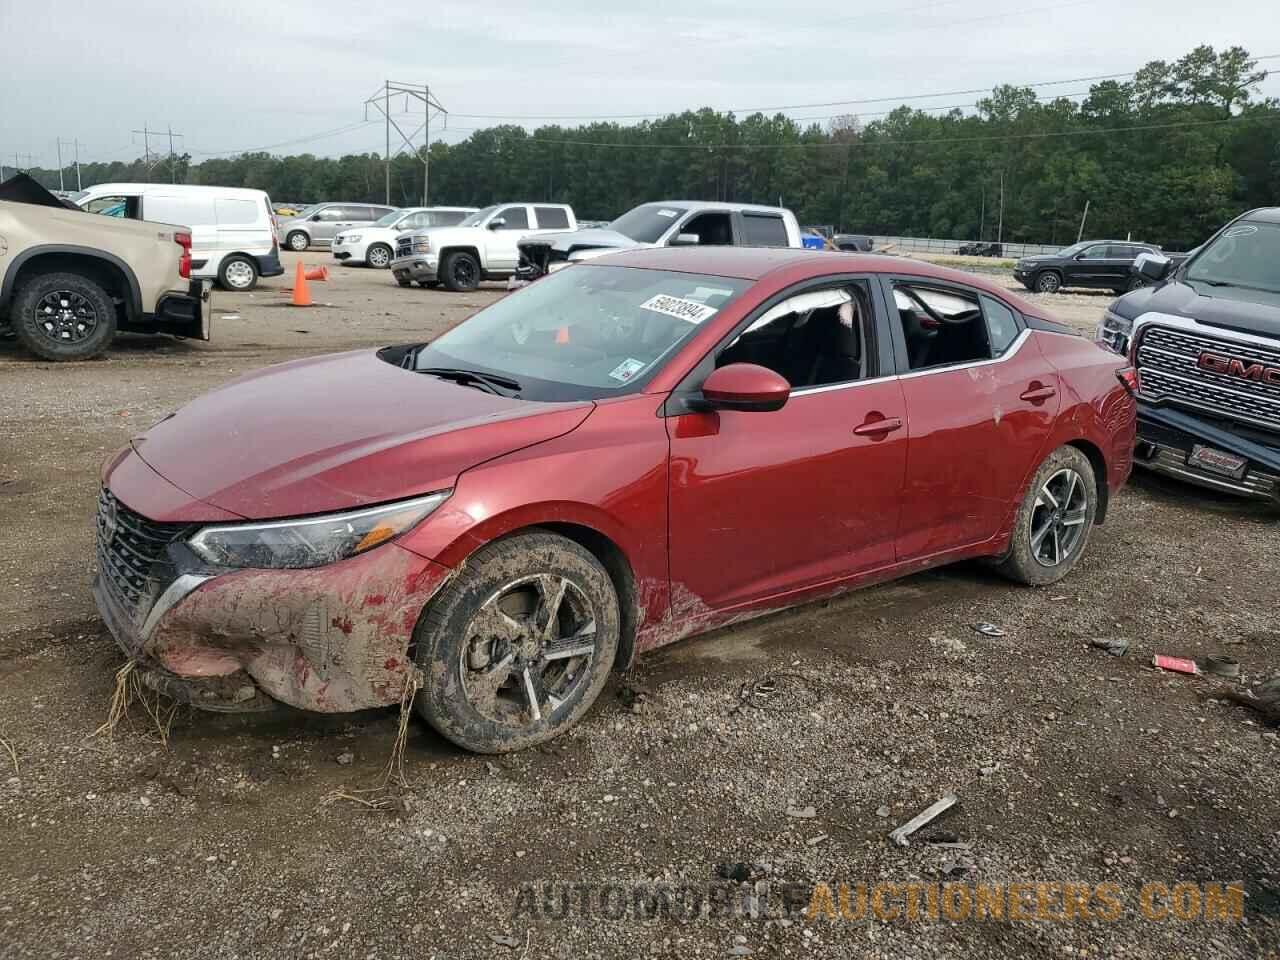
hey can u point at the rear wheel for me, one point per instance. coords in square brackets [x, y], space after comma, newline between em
[518, 645]
[1048, 282]
[63, 316]
[1054, 520]
[460, 272]
[297, 241]
[1136, 282]
[238, 273]
[378, 255]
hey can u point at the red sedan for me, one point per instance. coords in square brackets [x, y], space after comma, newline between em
[639, 448]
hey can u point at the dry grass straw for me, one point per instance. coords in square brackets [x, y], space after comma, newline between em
[13, 755]
[393, 783]
[130, 688]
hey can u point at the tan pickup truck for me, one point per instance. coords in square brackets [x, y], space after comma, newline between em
[69, 279]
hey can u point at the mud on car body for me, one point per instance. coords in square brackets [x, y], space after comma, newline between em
[1206, 344]
[580, 472]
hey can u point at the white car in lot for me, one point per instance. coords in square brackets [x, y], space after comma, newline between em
[374, 244]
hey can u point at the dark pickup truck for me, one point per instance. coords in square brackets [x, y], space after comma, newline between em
[1205, 340]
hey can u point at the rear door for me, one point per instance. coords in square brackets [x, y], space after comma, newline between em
[981, 401]
[501, 254]
[763, 504]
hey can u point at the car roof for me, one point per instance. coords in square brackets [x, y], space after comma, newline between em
[170, 187]
[713, 205]
[1263, 215]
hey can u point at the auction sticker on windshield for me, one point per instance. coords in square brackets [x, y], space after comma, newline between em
[627, 369]
[682, 309]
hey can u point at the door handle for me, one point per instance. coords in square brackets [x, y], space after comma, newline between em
[1038, 394]
[878, 428]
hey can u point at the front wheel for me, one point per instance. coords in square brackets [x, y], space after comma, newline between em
[378, 256]
[517, 647]
[461, 272]
[1054, 520]
[63, 316]
[1048, 282]
[297, 241]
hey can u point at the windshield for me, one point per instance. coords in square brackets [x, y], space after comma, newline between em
[647, 223]
[584, 333]
[391, 218]
[1245, 255]
[478, 217]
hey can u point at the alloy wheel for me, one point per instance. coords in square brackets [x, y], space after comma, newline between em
[378, 257]
[66, 317]
[464, 272]
[1058, 518]
[1048, 283]
[527, 650]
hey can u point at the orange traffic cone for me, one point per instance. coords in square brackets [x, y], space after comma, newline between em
[301, 294]
[318, 273]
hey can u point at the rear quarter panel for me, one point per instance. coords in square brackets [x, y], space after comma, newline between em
[1096, 407]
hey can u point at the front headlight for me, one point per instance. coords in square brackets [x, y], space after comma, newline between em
[311, 541]
[421, 245]
[350, 238]
[1114, 332]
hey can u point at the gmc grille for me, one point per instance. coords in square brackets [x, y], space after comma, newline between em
[132, 555]
[1168, 361]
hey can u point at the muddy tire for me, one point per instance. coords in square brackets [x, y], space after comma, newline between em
[500, 673]
[1054, 520]
[460, 272]
[63, 316]
[1050, 281]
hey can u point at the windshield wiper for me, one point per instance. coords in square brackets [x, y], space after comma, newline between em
[491, 382]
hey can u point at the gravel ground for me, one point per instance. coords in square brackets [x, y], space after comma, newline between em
[1069, 765]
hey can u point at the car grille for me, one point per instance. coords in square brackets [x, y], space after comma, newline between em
[1168, 361]
[404, 246]
[132, 555]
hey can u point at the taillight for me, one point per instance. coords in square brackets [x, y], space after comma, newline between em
[1129, 377]
[184, 262]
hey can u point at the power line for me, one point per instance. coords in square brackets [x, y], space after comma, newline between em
[811, 106]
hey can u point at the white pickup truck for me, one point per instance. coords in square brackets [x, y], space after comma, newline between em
[667, 224]
[481, 247]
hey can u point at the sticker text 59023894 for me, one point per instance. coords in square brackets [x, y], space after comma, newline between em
[677, 307]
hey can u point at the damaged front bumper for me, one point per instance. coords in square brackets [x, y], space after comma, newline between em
[1180, 445]
[421, 267]
[331, 639]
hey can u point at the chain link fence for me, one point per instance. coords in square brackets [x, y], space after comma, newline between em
[970, 247]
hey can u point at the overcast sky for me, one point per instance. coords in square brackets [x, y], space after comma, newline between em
[244, 74]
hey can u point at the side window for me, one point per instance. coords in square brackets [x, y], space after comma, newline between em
[1097, 252]
[942, 327]
[763, 230]
[517, 218]
[332, 214]
[1002, 325]
[444, 218]
[125, 207]
[376, 213]
[812, 339]
[551, 218]
[713, 229]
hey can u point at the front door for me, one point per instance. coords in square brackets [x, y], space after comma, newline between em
[501, 254]
[765, 503]
[1090, 268]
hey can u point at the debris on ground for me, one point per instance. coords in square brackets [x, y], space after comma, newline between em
[801, 813]
[1116, 646]
[900, 835]
[740, 871]
[1268, 705]
[988, 630]
[1219, 666]
[1175, 664]
[504, 941]
[778, 692]
[345, 758]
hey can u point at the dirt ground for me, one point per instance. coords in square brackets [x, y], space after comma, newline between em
[1069, 765]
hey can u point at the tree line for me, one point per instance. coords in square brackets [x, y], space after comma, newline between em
[1165, 157]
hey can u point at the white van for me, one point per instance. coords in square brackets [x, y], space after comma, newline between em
[233, 230]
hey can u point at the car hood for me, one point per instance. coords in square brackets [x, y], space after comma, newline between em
[1039, 258]
[447, 235]
[337, 432]
[582, 240]
[1249, 311]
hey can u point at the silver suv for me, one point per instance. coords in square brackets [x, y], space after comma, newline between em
[316, 225]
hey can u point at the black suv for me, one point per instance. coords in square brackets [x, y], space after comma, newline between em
[1206, 345]
[1107, 264]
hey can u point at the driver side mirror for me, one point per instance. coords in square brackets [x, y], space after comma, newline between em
[686, 240]
[1152, 266]
[497, 223]
[747, 387]
[315, 218]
